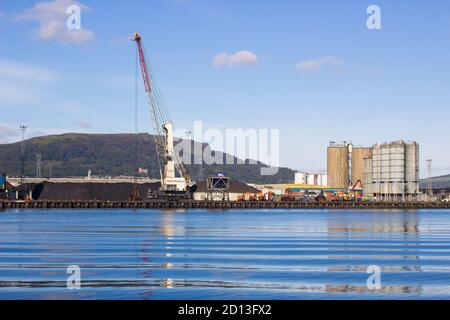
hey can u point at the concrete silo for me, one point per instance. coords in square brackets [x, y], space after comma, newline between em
[368, 177]
[300, 178]
[392, 173]
[338, 166]
[358, 155]
[311, 179]
[412, 168]
[324, 180]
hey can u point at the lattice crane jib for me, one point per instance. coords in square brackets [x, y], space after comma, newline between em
[168, 161]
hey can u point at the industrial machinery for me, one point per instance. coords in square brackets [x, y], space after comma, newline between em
[2, 181]
[175, 180]
[218, 188]
[2, 186]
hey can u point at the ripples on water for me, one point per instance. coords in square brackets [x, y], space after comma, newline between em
[200, 254]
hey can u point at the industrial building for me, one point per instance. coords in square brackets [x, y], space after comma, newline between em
[388, 171]
[392, 172]
[202, 191]
[7, 190]
[311, 179]
[345, 164]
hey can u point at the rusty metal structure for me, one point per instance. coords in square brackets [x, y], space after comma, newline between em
[338, 165]
[358, 155]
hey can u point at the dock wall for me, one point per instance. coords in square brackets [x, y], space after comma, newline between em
[190, 204]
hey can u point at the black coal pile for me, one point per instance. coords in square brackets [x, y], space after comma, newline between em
[90, 191]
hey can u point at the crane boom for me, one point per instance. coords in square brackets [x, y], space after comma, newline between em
[143, 64]
[163, 126]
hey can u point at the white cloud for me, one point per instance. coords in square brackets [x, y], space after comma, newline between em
[51, 17]
[16, 93]
[23, 83]
[316, 64]
[7, 133]
[13, 70]
[243, 57]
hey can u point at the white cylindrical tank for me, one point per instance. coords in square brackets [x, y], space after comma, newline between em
[324, 180]
[300, 178]
[412, 168]
[310, 179]
[318, 179]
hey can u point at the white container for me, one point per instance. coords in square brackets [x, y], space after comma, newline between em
[310, 179]
[300, 178]
[318, 180]
[324, 180]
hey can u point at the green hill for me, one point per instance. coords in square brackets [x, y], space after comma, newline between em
[72, 155]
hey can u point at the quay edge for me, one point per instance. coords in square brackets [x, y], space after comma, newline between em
[191, 204]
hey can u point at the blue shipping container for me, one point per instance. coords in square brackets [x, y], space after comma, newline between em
[2, 181]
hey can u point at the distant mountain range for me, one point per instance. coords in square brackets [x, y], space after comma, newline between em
[73, 155]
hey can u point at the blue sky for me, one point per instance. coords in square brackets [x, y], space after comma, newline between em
[355, 84]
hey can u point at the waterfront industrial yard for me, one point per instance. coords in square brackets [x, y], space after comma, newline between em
[340, 187]
[247, 154]
[384, 175]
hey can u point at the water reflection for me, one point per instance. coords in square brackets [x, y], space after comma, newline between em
[363, 289]
[350, 225]
[169, 230]
[201, 254]
[380, 233]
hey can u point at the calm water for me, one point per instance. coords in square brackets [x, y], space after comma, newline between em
[200, 254]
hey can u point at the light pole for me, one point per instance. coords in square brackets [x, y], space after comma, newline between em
[38, 165]
[430, 181]
[22, 157]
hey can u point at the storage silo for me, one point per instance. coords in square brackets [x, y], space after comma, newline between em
[376, 169]
[310, 179]
[324, 180]
[397, 167]
[338, 166]
[300, 178]
[395, 170]
[358, 155]
[368, 177]
[412, 168]
[318, 180]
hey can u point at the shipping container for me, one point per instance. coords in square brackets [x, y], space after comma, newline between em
[2, 181]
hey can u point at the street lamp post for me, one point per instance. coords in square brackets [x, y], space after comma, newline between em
[22, 158]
